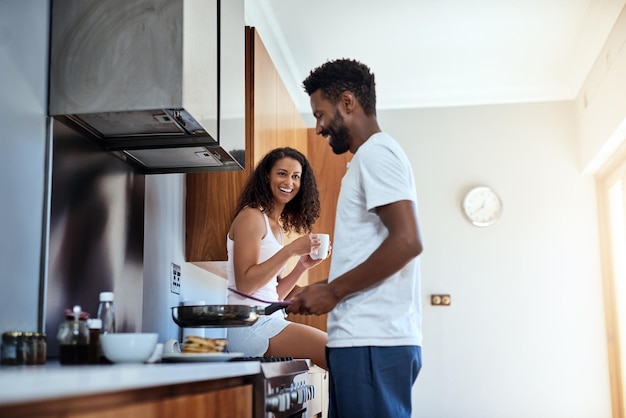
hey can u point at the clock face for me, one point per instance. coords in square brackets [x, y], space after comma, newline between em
[482, 206]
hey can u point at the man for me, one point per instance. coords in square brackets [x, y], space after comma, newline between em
[373, 291]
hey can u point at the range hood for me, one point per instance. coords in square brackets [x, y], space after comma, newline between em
[158, 82]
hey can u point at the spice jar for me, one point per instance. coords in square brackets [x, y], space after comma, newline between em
[41, 347]
[95, 326]
[13, 348]
[73, 337]
[29, 348]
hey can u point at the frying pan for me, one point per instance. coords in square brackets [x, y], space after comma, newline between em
[219, 316]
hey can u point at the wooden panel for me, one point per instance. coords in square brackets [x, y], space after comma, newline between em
[211, 204]
[329, 169]
[227, 403]
[211, 198]
[264, 93]
[275, 116]
[272, 121]
[231, 397]
[277, 121]
[149, 409]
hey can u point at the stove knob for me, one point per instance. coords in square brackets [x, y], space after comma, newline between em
[271, 403]
[295, 396]
[284, 402]
[304, 396]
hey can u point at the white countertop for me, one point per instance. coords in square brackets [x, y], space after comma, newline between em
[34, 383]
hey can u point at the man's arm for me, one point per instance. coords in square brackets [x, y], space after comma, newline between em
[401, 245]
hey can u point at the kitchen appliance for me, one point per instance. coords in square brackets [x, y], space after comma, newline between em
[285, 388]
[198, 332]
[159, 82]
[221, 316]
[89, 187]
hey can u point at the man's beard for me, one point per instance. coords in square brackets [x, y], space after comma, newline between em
[339, 134]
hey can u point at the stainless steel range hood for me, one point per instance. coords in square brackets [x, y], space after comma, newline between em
[160, 82]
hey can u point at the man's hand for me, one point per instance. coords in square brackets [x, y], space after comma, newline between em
[316, 299]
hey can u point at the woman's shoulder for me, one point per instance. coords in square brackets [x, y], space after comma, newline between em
[250, 212]
[249, 220]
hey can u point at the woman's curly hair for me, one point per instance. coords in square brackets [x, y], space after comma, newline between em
[334, 77]
[301, 212]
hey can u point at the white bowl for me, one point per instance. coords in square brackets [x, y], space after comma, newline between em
[128, 347]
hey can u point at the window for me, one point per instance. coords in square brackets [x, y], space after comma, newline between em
[611, 187]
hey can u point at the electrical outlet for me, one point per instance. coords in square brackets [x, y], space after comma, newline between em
[440, 300]
[175, 279]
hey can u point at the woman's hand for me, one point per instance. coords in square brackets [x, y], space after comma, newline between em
[307, 262]
[304, 245]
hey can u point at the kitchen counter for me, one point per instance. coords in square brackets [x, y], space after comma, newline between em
[25, 384]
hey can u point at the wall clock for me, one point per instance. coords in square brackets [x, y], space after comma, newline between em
[482, 206]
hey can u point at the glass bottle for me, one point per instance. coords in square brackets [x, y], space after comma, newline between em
[106, 312]
[73, 337]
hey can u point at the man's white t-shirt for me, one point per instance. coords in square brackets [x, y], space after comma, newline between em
[389, 313]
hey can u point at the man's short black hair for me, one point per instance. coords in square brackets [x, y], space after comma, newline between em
[334, 77]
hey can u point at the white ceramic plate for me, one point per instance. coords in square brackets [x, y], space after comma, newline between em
[200, 356]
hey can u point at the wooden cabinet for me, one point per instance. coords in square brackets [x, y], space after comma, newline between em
[226, 398]
[225, 403]
[272, 120]
[329, 169]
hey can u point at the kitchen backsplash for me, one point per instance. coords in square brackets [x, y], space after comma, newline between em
[96, 233]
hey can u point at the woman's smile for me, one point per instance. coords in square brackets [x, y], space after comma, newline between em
[285, 179]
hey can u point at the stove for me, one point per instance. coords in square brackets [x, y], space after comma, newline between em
[284, 389]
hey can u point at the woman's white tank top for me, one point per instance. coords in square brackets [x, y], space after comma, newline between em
[269, 247]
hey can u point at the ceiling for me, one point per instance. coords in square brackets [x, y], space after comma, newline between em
[433, 53]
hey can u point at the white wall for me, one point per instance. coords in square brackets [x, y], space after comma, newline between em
[525, 334]
[164, 241]
[23, 108]
[601, 103]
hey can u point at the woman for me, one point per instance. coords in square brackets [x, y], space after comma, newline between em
[280, 196]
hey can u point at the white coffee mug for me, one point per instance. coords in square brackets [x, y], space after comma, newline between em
[322, 251]
[171, 346]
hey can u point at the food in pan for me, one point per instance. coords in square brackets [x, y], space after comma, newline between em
[195, 344]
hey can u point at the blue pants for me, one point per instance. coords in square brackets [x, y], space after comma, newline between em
[372, 382]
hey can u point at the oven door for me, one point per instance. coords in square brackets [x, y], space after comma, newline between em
[286, 390]
[318, 406]
[289, 397]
